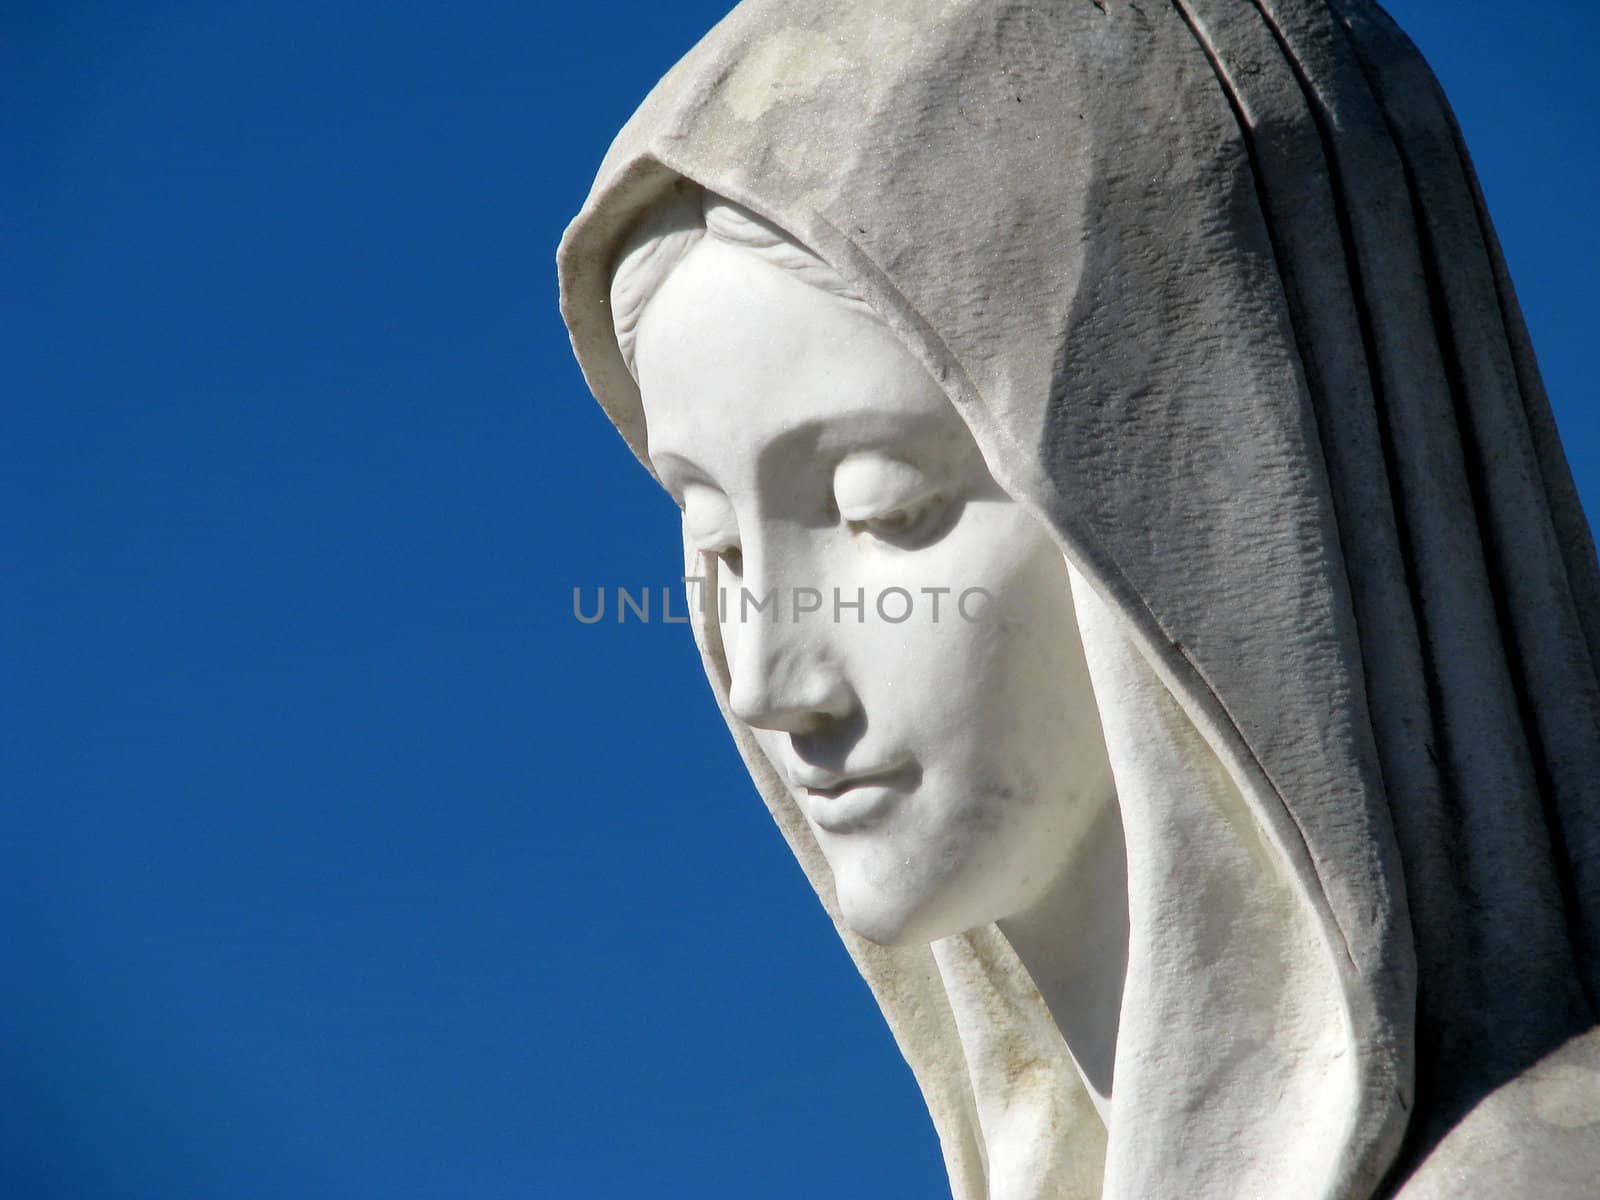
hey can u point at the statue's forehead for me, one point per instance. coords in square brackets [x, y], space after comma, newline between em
[737, 357]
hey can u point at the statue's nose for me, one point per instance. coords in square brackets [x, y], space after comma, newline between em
[785, 675]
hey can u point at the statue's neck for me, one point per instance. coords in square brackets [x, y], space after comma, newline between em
[1074, 945]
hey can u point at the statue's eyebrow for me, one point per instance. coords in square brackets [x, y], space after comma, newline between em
[677, 470]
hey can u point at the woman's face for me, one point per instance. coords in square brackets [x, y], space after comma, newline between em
[946, 751]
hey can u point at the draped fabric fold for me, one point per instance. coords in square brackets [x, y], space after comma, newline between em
[1213, 286]
[1471, 630]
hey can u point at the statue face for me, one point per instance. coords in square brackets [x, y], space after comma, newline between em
[948, 761]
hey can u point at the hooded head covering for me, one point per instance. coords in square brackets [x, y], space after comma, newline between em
[1214, 289]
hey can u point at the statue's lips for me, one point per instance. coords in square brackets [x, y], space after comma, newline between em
[856, 802]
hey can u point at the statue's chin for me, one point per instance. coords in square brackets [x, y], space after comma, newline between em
[891, 920]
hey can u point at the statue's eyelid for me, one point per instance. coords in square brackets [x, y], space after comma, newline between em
[719, 533]
[715, 541]
[858, 501]
[702, 499]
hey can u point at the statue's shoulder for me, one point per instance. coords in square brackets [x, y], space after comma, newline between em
[1536, 1137]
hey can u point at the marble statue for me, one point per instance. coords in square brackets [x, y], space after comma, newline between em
[1233, 829]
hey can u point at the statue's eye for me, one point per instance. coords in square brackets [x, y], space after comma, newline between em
[904, 526]
[725, 550]
[709, 520]
[892, 500]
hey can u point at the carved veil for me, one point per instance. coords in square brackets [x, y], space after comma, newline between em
[1213, 287]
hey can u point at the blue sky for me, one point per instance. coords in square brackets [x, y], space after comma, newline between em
[339, 861]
